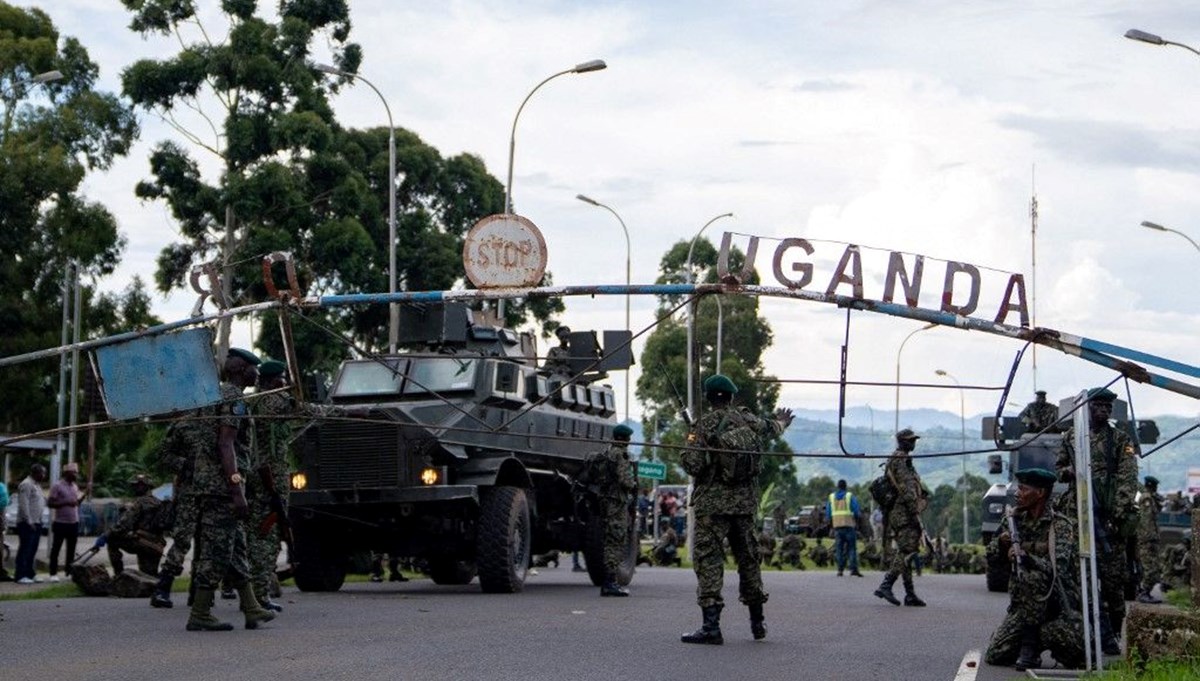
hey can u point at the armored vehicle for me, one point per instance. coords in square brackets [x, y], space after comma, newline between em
[1030, 451]
[458, 452]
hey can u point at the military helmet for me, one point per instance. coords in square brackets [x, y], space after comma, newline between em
[907, 434]
[719, 383]
[622, 432]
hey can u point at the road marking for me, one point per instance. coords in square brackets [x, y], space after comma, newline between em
[969, 667]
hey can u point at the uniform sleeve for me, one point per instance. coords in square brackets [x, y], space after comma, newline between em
[625, 473]
[1127, 485]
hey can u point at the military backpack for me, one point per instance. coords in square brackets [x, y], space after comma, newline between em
[884, 492]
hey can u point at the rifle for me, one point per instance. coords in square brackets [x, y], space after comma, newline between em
[683, 411]
[1016, 543]
[278, 514]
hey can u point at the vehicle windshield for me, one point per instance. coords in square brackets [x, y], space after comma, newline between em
[369, 377]
[436, 374]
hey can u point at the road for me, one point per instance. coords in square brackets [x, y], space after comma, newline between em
[820, 627]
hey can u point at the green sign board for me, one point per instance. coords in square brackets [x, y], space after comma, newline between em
[652, 469]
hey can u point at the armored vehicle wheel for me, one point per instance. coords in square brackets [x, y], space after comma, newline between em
[504, 540]
[997, 576]
[318, 569]
[448, 571]
[593, 554]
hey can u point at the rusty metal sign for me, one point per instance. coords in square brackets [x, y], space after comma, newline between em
[504, 251]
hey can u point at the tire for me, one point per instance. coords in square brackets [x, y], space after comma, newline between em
[450, 572]
[504, 540]
[318, 568]
[997, 576]
[593, 554]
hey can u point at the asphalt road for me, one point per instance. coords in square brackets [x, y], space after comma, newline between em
[820, 627]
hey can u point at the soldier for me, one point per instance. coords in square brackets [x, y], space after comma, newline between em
[272, 433]
[903, 520]
[790, 551]
[666, 551]
[1043, 609]
[1114, 493]
[978, 564]
[819, 554]
[609, 476]
[188, 437]
[1039, 414]
[1149, 506]
[218, 479]
[557, 358]
[723, 458]
[766, 547]
[780, 516]
[870, 555]
[138, 530]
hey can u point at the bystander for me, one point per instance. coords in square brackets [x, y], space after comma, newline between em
[64, 525]
[30, 504]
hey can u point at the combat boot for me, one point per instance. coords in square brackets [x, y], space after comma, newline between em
[757, 627]
[268, 604]
[611, 588]
[1030, 656]
[201, 618]
[911, 599]
[228, 593]
[710, 632]
[161, 598]
[885, 590]
[248, 603]
[1146, 597]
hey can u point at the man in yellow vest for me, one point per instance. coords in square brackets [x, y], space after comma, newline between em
[842, 512]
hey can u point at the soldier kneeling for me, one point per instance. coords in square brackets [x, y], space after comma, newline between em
[138, 531]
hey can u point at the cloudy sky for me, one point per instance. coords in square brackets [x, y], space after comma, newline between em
[916, 126]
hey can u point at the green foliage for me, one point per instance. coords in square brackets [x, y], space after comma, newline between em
[1138, 669]
[44, 592]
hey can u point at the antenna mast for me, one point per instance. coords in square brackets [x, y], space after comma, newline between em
[1033, 220]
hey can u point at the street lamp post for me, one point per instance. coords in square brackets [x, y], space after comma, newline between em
[393, 308]
[691, 327]
[585, 67]
[1155, 226]
[628, 278]
[962, 412]
[1151, 39]
[923, 328]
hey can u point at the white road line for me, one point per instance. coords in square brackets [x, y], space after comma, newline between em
[969, 667]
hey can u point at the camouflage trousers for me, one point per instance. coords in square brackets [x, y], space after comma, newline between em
[908, 540]
[220, 546]
[1033, 603]
[1148, 554]
[1111, 568]
[708, 558]
[148, 555]
[181, 532]
[263, 549]
[616, 535]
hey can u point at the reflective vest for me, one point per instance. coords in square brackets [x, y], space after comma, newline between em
[840, 510]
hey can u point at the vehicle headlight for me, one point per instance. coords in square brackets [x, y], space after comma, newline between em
[996, 508]
[430, 476]
[299, 481]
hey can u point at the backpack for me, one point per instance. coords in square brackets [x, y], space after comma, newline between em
[883, 492]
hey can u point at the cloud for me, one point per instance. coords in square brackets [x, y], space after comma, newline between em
[825, 85]
[1111, 143]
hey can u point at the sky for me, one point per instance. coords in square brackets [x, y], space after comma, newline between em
[920, 126]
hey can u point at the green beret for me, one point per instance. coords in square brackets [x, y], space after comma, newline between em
[140, 479]
[271, 368]
[1151, 481]
[1036, 477]
[907, 434]
[719, 383]
[622, 432]
[1101, 395]
[245, 355]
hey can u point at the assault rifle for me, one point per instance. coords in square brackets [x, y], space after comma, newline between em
[683, 410]
[278, 514]
[1016, 543]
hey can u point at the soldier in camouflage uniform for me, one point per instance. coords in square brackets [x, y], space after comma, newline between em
[766, 547]
[1149, 506]
[903, 520]
[136, 531]
[791, 550]
[723, 458]
[1039, 414]
[609, 474]
[271, 436]
[219, 485]
[1114, 491]
[1043, 609]
[188, 437]
[819, 553]
[558, 359]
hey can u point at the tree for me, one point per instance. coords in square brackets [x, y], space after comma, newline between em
[746, 336]
[51, 135]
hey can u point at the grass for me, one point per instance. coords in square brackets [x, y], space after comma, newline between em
[65, 590]
[1180, 598]
[1153, 670]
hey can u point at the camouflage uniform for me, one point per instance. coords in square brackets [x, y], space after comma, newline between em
[135, 533]
[1045, 594]
[192, 436]
[220, 538]
[1114, 489]
[819, 554]
[766, 547]
[903, 521]
[612, 473]
[790, 551]
[723, 508]
[1038, 415]
[271, 437]
[1148, 543]
[557, 361]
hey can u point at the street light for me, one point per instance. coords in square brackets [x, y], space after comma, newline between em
[691, 327]
[1152, 225]
[1151, 39]
[962, 412]
[628, 273]
[393, 308]
[44, 77]
[923, 328]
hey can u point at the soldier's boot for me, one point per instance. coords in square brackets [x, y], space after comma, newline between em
[757, 627]
[912, 599]
[710, 631]
[885, 590]
[117, 562]
[227, 592]
[161, 598]
[611, 588]
[1144, 596]
[254, 613]
[1108, 641]
[1030, 656]
[201, 618]
[263, 593]
[856, 573]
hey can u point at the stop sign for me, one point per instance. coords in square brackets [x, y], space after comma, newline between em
[504, 251]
